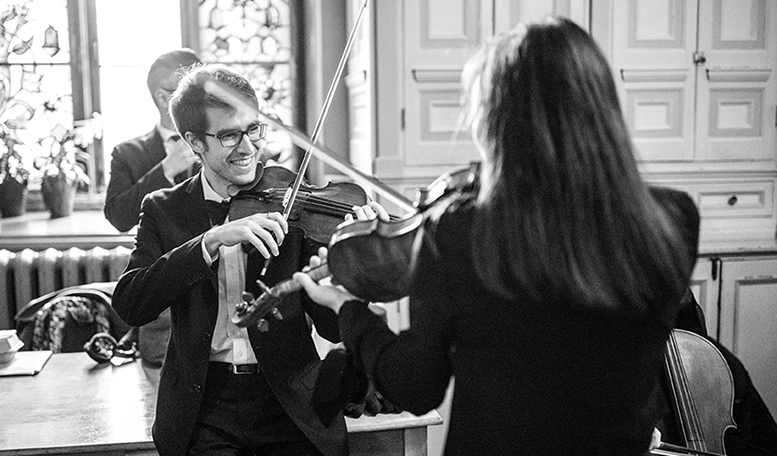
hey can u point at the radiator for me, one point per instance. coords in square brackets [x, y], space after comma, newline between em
[28, 274]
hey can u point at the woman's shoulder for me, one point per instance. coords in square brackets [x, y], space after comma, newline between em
[678, 204]
[451, 227]
[682, 211]
[672, 196]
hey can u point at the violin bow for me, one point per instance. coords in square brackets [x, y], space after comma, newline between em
[324, 110]
[677, 449]
[320, 122]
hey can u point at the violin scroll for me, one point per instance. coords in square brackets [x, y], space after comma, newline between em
[253, 310]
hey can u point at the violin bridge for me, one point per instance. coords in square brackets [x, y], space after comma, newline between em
[286, 197]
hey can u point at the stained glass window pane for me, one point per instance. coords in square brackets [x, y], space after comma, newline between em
[35, 82]
[254, 38]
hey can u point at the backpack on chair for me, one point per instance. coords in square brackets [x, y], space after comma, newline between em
[65, 320]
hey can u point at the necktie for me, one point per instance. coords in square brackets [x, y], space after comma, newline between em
[217, 211]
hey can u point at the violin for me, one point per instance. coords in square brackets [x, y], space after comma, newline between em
[317, 210]
[703, 391]
[375, 260]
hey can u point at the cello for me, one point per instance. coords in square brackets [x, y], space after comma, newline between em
[702, 389]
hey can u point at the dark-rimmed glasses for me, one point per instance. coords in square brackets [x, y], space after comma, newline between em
[232, 138]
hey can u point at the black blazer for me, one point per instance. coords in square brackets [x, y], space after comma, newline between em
[531, 377]
[136, 170]
[167, 270]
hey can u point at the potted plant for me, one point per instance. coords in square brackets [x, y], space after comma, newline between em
[14, 176]
[63, 162]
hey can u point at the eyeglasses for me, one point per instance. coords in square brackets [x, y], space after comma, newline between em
[232, 138]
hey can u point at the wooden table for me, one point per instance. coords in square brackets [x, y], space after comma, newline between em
[75, 406]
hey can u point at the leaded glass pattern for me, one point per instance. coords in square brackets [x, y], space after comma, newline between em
[35, 78]
[254, 38]
[34, 53]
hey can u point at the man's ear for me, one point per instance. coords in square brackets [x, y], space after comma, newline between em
[161, 98]
[198, 147]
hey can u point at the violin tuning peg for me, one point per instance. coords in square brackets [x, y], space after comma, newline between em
[263, 325]
[248, 296]
[277, 313]
[241, 308]
[264, 287]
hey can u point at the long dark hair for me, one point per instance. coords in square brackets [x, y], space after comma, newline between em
[563, 212]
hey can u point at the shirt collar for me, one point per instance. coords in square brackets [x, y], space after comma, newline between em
[208, 192]
[165, 132]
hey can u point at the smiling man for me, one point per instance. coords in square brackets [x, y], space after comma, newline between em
[225, 389]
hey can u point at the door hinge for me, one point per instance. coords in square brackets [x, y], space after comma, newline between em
[402, 119]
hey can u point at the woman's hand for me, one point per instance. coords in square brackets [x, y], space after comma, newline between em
[323, 293]
[369, 211]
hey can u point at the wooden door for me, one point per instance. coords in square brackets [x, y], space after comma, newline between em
[748, 319]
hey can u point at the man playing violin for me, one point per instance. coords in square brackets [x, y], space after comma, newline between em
[225, 389]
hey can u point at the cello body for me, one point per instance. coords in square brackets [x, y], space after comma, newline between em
[702, 389]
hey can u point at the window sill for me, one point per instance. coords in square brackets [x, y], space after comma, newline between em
[84, 229]
[84, 201]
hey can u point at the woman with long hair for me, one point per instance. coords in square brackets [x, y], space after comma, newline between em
[549, 294]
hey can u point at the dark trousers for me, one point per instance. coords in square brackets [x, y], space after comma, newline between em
[241, 416]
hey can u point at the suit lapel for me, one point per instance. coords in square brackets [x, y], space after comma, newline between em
[193, 208]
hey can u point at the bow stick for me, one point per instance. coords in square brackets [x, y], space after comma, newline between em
[319, 123]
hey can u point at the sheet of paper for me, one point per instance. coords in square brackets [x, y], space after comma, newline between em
[25, 363]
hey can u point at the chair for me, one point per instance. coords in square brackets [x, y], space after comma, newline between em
[63, 321]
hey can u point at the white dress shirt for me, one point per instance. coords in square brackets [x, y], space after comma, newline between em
[230, 343]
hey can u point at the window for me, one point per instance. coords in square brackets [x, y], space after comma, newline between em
[130, 34]
[114, 43]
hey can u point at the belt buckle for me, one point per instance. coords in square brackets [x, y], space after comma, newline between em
[236, 370]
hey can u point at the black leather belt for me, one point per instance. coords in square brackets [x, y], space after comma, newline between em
[237, 369]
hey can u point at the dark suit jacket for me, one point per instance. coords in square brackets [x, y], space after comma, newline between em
[167, 270]
[135, 171]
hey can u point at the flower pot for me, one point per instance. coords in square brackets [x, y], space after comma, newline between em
[59, 195]
[13, 197]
